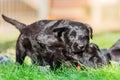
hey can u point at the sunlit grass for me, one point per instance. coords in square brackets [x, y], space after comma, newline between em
[32, 72]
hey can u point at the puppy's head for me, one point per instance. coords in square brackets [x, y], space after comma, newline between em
[92, 57]
[76, 36]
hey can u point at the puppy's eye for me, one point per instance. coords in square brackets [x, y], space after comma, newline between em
[72, 37]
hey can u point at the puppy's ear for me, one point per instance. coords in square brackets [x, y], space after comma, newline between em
[20, 26]
[90, 31]
[58, 31]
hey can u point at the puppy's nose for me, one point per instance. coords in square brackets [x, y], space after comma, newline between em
[80, 47]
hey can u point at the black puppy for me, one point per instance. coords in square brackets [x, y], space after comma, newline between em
[92, 57]
[114, 52]
[50, 37]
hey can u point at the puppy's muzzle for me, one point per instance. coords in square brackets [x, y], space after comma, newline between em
[78, 47]
[81, 47]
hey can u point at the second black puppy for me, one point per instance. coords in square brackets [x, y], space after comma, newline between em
[92, 57]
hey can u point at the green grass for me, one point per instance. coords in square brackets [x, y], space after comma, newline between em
[32, 72]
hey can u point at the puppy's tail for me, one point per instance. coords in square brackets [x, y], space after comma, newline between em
[17, 24]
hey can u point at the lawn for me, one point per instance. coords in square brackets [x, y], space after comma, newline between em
[32, 72]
